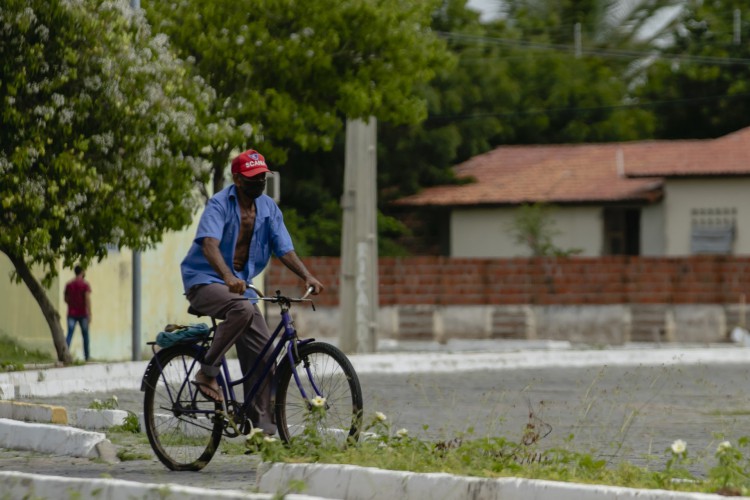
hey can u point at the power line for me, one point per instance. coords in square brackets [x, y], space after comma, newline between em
[531, 112]
[615, 53]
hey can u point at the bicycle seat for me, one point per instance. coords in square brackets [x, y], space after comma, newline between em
[195, 312]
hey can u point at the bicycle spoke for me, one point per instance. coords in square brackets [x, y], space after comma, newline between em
[182, 425]
[325, 372]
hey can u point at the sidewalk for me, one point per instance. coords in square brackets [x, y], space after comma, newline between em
[396, 358]
[328, 481]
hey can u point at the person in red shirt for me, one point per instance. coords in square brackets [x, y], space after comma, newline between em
[78, 298]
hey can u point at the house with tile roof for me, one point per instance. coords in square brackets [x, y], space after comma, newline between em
[651, 198]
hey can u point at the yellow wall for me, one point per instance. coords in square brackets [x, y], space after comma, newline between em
[110, 332]
[20, 316]
[111, 280]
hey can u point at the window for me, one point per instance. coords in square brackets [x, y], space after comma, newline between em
[622, 231]
[712, 230]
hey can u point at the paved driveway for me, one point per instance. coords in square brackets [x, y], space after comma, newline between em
[619, 413]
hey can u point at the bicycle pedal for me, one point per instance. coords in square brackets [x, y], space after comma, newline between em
[246, 427]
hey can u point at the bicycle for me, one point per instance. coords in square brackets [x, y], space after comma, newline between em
[185, 428]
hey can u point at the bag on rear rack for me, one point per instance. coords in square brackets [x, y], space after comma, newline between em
[181, 334]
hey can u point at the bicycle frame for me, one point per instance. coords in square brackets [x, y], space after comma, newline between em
[288, 340]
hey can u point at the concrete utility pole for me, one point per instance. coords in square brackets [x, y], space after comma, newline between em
[136, 318]
[737, 38]
[358, 293]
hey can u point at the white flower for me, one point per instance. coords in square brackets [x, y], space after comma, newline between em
[380, 416]
[254, 433]
[679, 447]
[269, 439]
[114, 398]
[318, 401]
[723, 446]
[402, 433]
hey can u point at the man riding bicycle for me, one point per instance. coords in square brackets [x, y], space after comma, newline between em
[238, 230]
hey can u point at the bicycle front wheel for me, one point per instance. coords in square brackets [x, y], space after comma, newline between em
[326, 372]
[182, 425]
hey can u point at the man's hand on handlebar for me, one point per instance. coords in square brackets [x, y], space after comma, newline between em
[313, 283]
[235, 285]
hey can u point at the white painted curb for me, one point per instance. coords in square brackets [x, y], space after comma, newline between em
[53, 439]
[127, 375]
[84, 378]
[87, 418]
[22, 485]
[366, 483]
[346, 481]
[453, 362]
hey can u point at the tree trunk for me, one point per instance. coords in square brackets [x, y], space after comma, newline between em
[48, 310]
[218, 178]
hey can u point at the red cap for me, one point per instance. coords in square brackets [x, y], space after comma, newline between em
[250, 163]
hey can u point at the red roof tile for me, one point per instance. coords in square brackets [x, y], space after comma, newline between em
[587, 173]
[726, 155]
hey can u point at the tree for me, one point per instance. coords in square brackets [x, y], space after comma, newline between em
[296, 70]
[702, 79]
[534, 228]
[97, 127]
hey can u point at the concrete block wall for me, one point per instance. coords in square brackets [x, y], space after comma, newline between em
[606, 300]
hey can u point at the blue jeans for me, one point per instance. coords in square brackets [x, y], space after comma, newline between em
[84, 322]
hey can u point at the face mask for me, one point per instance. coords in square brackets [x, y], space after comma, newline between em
[253, 189]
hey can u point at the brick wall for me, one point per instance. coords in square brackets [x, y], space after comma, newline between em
[541, 281]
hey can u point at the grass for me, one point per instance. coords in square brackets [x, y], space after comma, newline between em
[729, 413]
[496, 457]
[726, 469]
[723, 469]
[467, 454]
[14, 357]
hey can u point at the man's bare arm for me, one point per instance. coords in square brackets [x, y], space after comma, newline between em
[293, 262]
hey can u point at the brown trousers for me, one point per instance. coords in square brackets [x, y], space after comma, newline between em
[243, 326]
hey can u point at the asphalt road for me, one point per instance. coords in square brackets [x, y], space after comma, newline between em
[621, 414]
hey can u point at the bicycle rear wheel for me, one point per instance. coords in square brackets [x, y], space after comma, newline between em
[182, 425]
[323, 371]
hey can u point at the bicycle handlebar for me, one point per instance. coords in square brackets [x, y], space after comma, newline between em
[278, 297]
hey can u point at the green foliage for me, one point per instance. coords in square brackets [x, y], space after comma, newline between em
[702, 78]
[99, 144]
[676, 466]
[317, 232]
[107, 404]
[493, 457]
[290, 73]
[14, 356]
[131, 425]
[731, 473]
[487, 93]
[534, 229]
[550, 94]
[127, 454]
[295, 70]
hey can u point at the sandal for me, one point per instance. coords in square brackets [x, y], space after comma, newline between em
[214, 394]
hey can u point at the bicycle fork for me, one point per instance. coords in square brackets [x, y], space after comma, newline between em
[306, 363]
